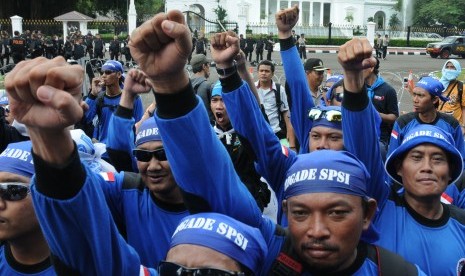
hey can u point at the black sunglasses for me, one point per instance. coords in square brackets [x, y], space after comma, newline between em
[13, 191]
[338, 96]
[146, 155]
[174, 269]
[108, 72]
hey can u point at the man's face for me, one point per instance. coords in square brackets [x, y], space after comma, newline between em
[326, 227]
[264, 73]
[315, 77]
[422, 101]
[195, 256]
[110, 77]
[17, 218]
[155, 173]
[425, 172]
[219, 111]
[325, 138]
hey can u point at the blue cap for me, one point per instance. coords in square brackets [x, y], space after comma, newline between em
[326, 171]
[17, 159]
[217, 88]
[113, 65]
[426, 134]
[148, 131]
[324, 122]
[433, 86]
[224, 234]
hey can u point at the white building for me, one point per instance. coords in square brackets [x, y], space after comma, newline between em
[313, 13]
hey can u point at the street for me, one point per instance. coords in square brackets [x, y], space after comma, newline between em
[393, 70]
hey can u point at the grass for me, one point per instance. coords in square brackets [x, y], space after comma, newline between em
[1, 81]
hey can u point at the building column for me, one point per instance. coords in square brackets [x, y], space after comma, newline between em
[132, 17]
[310, 18]
[321, 12]
[267, 5]
[16, 24]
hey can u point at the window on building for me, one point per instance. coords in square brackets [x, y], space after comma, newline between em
[326, 13]
[263, 9]
[305, 13]
[272, 8]
[283, 4]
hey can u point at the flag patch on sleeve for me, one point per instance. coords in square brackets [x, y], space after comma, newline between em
[394, 134]
[108, 176]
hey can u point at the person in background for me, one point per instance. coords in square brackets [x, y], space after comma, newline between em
[455, 106]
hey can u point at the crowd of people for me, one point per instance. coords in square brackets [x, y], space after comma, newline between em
[238, 177]
[76, 46]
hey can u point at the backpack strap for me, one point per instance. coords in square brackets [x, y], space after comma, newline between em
[286, 263]
[390, 264]
[460, 90]
[448, 94]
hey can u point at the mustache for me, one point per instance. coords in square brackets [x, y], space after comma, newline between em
[320, 244]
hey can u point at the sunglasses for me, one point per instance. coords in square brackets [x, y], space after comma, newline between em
[338, 96]
[330, 115]
[13, 191]
[174, 269]
[108, 72]
[146, 155]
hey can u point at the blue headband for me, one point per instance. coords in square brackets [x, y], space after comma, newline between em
[426, 134]
[326, 171]
[148, 131]
[17, 159]
[226, 235]
[216, 90]
[325, 123]
[433, 86]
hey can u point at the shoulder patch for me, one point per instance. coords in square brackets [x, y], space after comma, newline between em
[108, 176]
[285, 150]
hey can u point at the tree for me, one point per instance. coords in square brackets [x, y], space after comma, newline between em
[446, 13]
[221, 15]
[394, 21]
[371, 19]
[349, 18]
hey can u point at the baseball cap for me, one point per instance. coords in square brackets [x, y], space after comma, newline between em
[199, 60]
[148, 131]
[113, 65]
[326, 171]
[426, 134]
[239, 241]
[17, 159]
[314, 64]
[433, 86]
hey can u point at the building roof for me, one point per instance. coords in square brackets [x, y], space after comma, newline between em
[73, 16]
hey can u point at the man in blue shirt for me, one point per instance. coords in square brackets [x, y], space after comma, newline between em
[24, 250]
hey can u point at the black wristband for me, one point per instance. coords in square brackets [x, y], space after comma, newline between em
[226, 71]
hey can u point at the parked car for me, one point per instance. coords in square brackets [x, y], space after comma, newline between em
[451, 45]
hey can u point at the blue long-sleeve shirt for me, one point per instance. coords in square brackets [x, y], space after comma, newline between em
[437, 246]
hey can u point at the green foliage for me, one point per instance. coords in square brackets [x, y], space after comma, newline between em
[221, 15]
[461, 25]
[394, 21]
[349, 18]
[371, 19]
[446, 13]
[398, 5]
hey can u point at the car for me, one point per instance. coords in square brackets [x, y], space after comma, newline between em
[451, 45]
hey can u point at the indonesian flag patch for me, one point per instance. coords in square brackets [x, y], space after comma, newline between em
[285, 150]
[108, 176]
[394, 134]
[445, 198]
